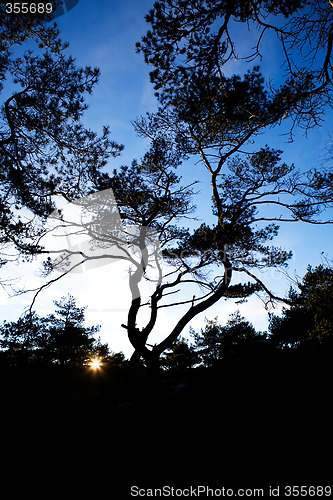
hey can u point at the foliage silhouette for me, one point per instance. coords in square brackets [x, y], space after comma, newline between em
[309, 320]
[60, 338]
[235, 341]
[181, 358]
[213, 118]
[190, 43]
[45, 150]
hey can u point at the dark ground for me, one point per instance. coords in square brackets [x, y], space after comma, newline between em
[235, 427]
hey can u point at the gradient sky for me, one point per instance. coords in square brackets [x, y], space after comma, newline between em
[103, 34]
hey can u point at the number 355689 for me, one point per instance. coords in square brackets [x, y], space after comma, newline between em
[26, 8]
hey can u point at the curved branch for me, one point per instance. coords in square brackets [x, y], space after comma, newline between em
[264, 287]
[197, 309]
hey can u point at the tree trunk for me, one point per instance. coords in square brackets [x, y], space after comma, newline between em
[133, 366]
[152, 362]
[153, 369]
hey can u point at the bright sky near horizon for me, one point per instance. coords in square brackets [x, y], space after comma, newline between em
[104, 34]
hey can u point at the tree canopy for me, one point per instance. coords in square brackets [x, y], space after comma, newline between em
[309, 320]
[206, 115]
[233, 341]
[190, 44]
[45, 150]
[214, 118]
[59, 338]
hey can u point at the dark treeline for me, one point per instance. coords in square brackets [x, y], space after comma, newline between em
[299, 341]
[305, 329]
[227, 395]
[61, 338]
[56, 353]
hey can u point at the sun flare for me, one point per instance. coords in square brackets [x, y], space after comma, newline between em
[95, 364]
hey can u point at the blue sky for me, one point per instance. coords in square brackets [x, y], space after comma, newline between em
[104, 34]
